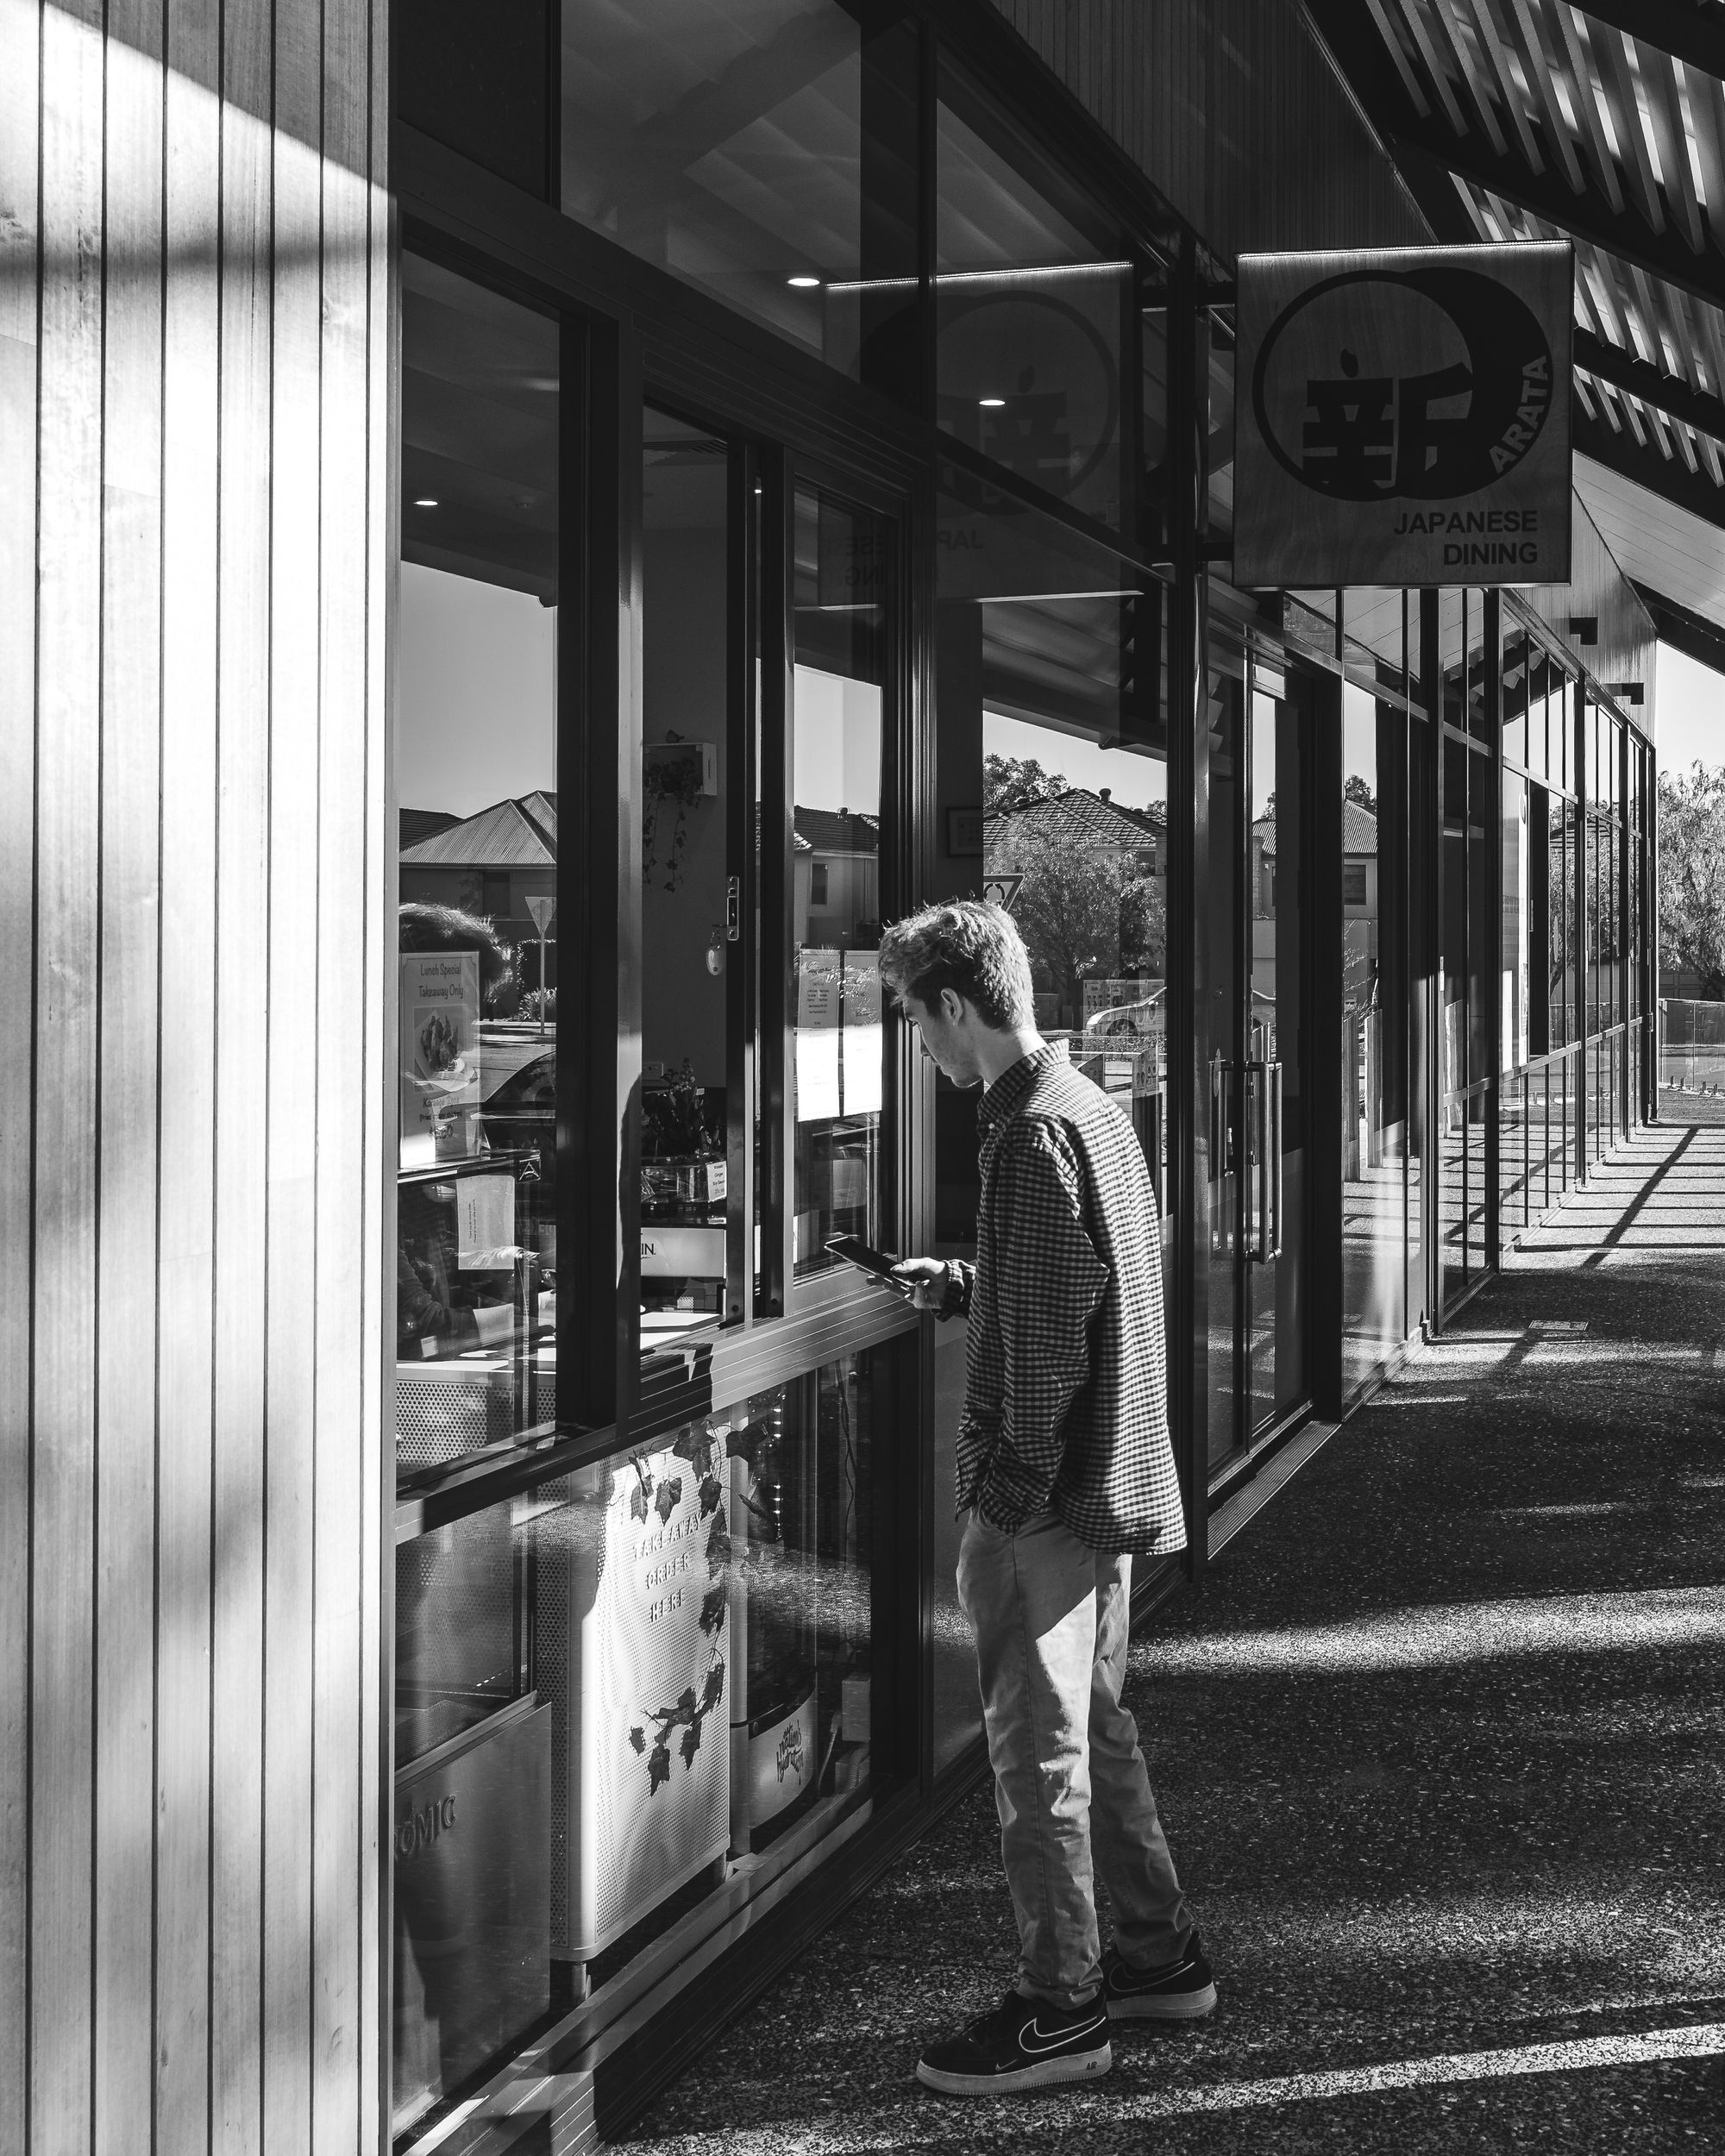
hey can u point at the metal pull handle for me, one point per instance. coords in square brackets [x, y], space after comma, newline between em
[1273, 1119]
[1260, 1081]
[733, 909]
[1219, 1138]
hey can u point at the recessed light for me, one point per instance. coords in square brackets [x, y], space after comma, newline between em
[992, 404]
[426, 501]
[804, 284]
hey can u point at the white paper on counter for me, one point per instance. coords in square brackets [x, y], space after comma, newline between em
[863, 1040]
[820, 993]
[485, 1223]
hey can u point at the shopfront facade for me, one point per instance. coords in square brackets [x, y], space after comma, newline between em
[769, 467]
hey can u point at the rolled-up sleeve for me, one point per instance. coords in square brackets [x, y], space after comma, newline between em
[955, 1295]
[1050, 1282]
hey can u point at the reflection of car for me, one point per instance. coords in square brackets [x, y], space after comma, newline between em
[520, 1113]
[1140, 1019]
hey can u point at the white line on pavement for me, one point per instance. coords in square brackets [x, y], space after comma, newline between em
[1706, 2040]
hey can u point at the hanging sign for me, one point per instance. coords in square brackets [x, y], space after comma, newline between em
[1402, 416]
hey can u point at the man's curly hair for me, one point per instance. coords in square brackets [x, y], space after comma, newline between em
[969, 946]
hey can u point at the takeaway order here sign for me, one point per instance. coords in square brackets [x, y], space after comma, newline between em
[1402, 416]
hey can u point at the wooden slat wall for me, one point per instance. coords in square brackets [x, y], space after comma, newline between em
[1231, 110]
[196, 365]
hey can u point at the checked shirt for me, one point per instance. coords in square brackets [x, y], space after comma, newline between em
[1066, 1396]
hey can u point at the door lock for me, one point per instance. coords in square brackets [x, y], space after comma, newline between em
[733, 909]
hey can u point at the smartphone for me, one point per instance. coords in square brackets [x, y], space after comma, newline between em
[878, 1264]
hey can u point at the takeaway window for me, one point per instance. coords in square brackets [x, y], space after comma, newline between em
[760, 1140]
[765, 151]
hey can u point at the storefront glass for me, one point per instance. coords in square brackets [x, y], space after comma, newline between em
[1258, 918]
[476, 774]
[1561, 855]
[843, 616]
[1469, 944]
[1029, 316]
[1151, 523]
[1514, 1044]
[1373, 1067]
[763, 150]
[625, 1700]
[1219, 446]
[689, 624]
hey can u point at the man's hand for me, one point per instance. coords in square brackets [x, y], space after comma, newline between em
[924, 1279]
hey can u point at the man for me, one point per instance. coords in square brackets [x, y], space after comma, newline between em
[1065, 1471]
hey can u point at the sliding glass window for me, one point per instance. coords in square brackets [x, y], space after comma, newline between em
[842, 575]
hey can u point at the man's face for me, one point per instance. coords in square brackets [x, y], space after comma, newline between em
[946, 1027]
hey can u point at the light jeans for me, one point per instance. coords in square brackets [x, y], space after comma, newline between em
[1052, 1618]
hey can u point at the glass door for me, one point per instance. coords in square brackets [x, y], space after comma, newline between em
[1258, 930]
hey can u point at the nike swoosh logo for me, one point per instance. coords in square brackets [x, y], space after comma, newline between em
[1165, 1976]
[1051, 2040]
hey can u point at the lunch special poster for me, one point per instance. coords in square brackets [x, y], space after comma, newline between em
[440, 1052]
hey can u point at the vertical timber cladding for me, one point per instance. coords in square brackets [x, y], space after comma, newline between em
[1403, 417]
[194, 540]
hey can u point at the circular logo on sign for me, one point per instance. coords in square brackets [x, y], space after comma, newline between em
[1422, 383]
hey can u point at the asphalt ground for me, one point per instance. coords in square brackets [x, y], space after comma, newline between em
[1440, 1747]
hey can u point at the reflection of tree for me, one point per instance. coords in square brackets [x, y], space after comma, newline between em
[1692, 877]
[1017, 782]
[1086, 912]
[1355, 789]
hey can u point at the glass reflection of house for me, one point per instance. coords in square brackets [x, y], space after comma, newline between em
[1093, 822]
[489, 863]
[1126, 842]
[837, 870]
[1359, 901]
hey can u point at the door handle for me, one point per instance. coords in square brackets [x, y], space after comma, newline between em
[1260, 1081]
[1221, 1146]
[1273, 1095]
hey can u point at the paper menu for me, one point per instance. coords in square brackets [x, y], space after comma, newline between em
[820, 1002]
[485, 1223]
[861, 1033]
[839, 1039]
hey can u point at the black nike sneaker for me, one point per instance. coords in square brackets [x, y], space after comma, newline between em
[1181, 1991]
[1023, 2043]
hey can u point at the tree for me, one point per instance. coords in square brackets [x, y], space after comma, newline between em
[1355, 789]
[1086, 912]
[1017, 782]
[1692, 876]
